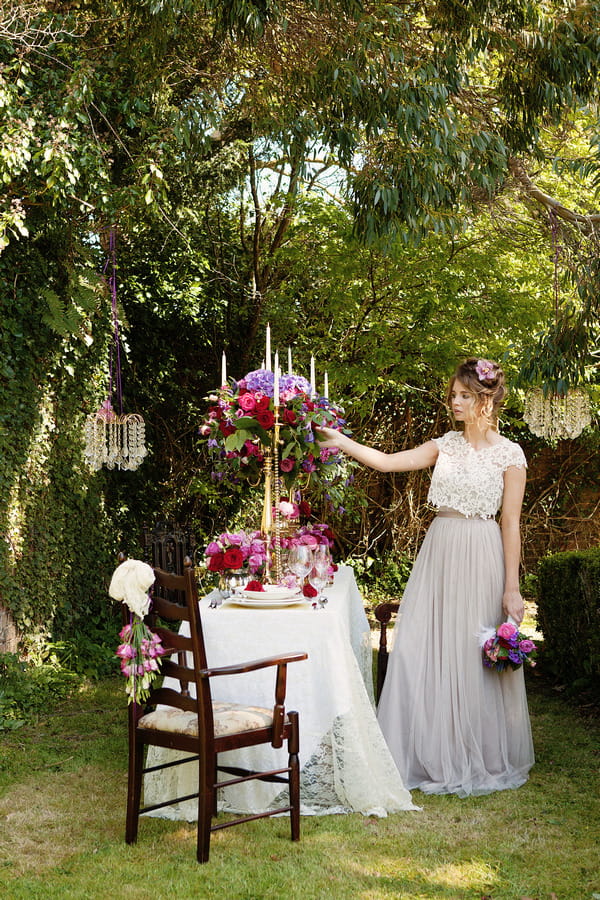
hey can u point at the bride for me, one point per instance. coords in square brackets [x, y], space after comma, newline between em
[452, 725]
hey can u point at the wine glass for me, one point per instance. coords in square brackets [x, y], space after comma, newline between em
[319, 576]
[299, 561]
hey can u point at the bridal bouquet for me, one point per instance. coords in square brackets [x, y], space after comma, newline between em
[506, 647]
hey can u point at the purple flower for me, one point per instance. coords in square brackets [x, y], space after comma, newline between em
[485, 369]
[261, 380]
[294, 384]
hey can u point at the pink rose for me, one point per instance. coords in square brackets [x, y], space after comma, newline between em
[289, 510]
[247, 402]
[506, 630]
[526, 646]
[287, 464]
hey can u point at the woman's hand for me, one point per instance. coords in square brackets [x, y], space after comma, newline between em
[513, 606]
[327, 438]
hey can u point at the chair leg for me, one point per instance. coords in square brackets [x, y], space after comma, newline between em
[206, 804]
[294, 764]
[134, 789]
[205, 807]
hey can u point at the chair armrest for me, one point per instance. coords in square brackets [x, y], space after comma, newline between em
[254, 664]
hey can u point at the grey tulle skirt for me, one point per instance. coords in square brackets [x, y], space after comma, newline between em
[452, 725]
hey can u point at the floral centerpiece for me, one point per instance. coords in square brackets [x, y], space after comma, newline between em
[240, 425]
[232, 551]
[506, 647]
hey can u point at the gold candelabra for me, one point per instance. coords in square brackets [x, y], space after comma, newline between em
[271, 516]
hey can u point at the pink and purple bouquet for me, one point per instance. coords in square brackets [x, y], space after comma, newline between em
[232, 551]
[240, 425]
[506, 647]
[140, 653]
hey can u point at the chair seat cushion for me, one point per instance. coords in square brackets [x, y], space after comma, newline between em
[228, 718]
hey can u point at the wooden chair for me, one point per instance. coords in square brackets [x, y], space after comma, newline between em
[383, 614]
[201, 727]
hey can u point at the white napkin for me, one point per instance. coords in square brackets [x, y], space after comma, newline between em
[130, 584]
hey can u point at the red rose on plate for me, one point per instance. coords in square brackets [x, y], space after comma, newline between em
[265, 418]
[254, 586]
[233, 559]
[309, 591]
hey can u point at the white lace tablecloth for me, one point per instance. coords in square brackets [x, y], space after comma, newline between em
[345, 763]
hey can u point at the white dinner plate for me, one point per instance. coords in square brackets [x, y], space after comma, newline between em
[271, 593]
[265, 604]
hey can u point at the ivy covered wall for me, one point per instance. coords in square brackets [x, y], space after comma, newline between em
[57, 534]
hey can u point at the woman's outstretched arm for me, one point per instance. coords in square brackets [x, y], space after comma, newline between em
[404, 461]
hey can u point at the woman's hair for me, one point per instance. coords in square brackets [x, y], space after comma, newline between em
[485, 379]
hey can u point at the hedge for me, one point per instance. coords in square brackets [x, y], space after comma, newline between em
[569, 616]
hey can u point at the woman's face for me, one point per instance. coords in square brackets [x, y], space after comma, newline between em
[462, 401]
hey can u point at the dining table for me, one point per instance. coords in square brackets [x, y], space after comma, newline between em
[345, 763]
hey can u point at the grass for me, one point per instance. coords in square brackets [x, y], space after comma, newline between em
[62, 796]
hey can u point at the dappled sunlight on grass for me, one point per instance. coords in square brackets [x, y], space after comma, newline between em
[62, 823]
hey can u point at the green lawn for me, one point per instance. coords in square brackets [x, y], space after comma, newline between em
[62, 796]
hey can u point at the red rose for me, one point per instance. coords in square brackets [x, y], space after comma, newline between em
[265, 418]
[289, 416]
[215, 563]
[304, 508]
[254, 586]
[226, 429]
[232, 558]
[287, 464]
[309, 591]
[262, 403]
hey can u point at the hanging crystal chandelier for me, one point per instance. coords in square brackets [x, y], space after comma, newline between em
[112, 439]
[550, 414]
[555, 416]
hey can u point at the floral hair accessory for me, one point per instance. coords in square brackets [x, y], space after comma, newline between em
[485, 369]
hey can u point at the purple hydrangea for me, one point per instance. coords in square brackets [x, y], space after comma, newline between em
[296, 384]
[260, 380]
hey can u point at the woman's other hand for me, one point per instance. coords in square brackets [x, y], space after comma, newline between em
[513, 606]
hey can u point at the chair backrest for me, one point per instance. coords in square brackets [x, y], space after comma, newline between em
[175, 600]
[383, 614]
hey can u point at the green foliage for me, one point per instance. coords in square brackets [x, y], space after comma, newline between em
[381, 579]
[57, 543]
[28, 690]
[569, 616]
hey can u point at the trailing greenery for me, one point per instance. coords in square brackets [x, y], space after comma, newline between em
[53, 519]
[28, 689]
[569, 616]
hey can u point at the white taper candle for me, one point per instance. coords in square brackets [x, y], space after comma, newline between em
[268, 349]
[276, 380]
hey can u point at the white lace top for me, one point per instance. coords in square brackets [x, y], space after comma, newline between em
[469, 480]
